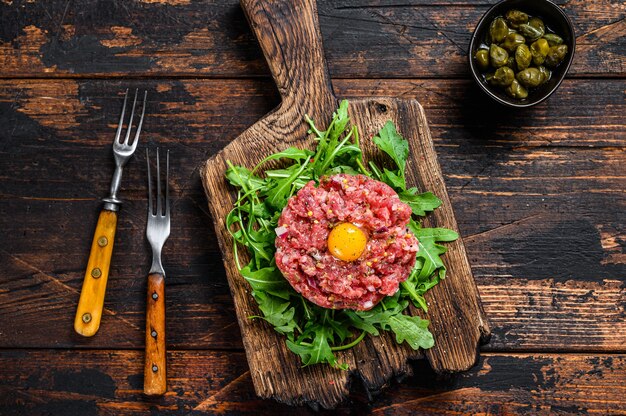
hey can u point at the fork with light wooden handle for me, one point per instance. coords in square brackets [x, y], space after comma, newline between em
[157, 231]
[91, 302]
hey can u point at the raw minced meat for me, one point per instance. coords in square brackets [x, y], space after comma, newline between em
[302, 253]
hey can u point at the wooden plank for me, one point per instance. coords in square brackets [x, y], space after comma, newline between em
[553, 315]
[537, 188]
[42, 382]
[365, 39]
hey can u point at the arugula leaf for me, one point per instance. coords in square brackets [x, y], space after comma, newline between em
[277, 312]
[277, 195]
[299, 181]
[411, 329]
[268, 280]
[242, 178]
[342, 169]
[420, 203]
[330, 145]
[423, 276]
[341, 119]
[318, 350]
[388, 316]
[376, 172]
[260, 210]
[361, 323]
[289, 153]
[438, 234]
[409, 289]
[393, 179]
[390, 142]
[330, 156]
[430, 252]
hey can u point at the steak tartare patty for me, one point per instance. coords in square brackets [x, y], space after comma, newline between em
[302, 252]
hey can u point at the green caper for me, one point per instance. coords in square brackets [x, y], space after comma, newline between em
[512, 41]
[498, 30]
[523, 57]
[482, 59]
[502, 77]
[516, 18]
[516, 90]
[497, 56]
[545, 72]
[530, 32]
[553, 40]
[539, 50]
[530, 77]
[537, 23]
[555, 55]
[511, 63]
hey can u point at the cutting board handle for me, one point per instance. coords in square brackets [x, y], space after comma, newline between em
[288, 32]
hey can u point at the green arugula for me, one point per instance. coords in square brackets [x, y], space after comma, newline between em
[419, 203]
[389, 141]
[315, 334]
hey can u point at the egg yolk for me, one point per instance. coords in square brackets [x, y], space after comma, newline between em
[346, 241]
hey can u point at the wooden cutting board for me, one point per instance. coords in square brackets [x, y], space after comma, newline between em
[288, 32]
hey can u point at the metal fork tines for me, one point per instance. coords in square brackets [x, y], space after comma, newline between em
[158, 228]
[123, 150]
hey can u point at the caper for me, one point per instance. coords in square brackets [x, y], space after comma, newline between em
[516, 18]
[502, 77]
[523, 57]
[537, 23]
[553, 40]
[482, 59]
[497, 56]
[512, 41]
[555, 55]
[539, 49]
[530, 77]
[516, 90]
[530, 32]
[545, 72]
[498, 30]
[511, 63]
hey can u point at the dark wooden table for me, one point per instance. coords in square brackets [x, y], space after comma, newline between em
[539, 196]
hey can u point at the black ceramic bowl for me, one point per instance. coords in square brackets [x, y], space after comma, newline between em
[555, 19]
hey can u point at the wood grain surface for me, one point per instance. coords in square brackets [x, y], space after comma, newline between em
[538, 196]
[210, 382]
[155, 362]
[93, 291]
[362, 39]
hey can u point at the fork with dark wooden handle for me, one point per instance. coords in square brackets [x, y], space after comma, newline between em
[91, 302]
[157, 231]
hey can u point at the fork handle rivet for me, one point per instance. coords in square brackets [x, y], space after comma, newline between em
[96, 273]
[153, 334]
[103, 241]
[86, 317]
[155, 368]
[155, 296]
